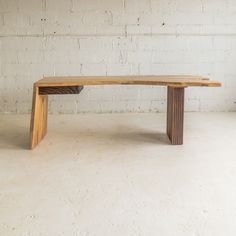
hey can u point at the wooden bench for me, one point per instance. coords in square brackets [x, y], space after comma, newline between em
[73, 85]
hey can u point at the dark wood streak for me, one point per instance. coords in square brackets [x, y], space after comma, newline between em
[175, 115]
[60, 90]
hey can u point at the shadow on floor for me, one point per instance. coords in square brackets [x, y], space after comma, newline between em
[141, 137]
[15, 136]
[121, 134]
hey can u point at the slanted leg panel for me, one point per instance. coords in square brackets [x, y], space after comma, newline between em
[39, 115]
[175, 115]
[38, 126]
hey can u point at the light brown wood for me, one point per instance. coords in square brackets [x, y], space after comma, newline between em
[38, 127]
[178, 81]
[175, 115]
[72, 85]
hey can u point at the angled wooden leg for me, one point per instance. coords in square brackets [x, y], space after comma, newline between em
[175, 115]
[38, 126]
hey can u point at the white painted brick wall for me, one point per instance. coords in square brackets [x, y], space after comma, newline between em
[117, 37]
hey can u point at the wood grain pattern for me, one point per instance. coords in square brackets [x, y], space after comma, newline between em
[60, 90]
[175, 115]
[177, 81]
[74, 85]
[38, 126]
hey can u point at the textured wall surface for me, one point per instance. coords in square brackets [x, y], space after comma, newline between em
[117, 37]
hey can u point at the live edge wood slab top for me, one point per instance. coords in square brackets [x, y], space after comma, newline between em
[74, 85]
[161, 80]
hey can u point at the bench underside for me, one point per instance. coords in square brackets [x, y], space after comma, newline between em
[60, 90]
[38, 128]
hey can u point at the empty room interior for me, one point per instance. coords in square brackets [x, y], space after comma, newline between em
[117, 117]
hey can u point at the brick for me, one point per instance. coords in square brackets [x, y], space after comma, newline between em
[138, 29]
[110, 30]
[189, 18]
[98, 18]
[122, 69]
[95, 43]
[30, 57]
[163, 6]
[124, 43]
[139, 56]
[58, 6]
[9, 6]
[93, 69]
[140, 6]
[28, 6]
[122, 18]
[62, 69]
[163, 43]
[98, 5]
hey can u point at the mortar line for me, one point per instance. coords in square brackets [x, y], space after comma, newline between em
[111, 35]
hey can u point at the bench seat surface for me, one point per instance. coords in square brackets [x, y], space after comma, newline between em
[165, 80]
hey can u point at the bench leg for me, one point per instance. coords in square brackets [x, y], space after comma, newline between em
[38, 126]
[175, 115]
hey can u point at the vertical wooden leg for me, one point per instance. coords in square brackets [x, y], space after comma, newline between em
[175, 114]
[38, 126]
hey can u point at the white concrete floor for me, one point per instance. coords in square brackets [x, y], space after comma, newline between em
[117, 175]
